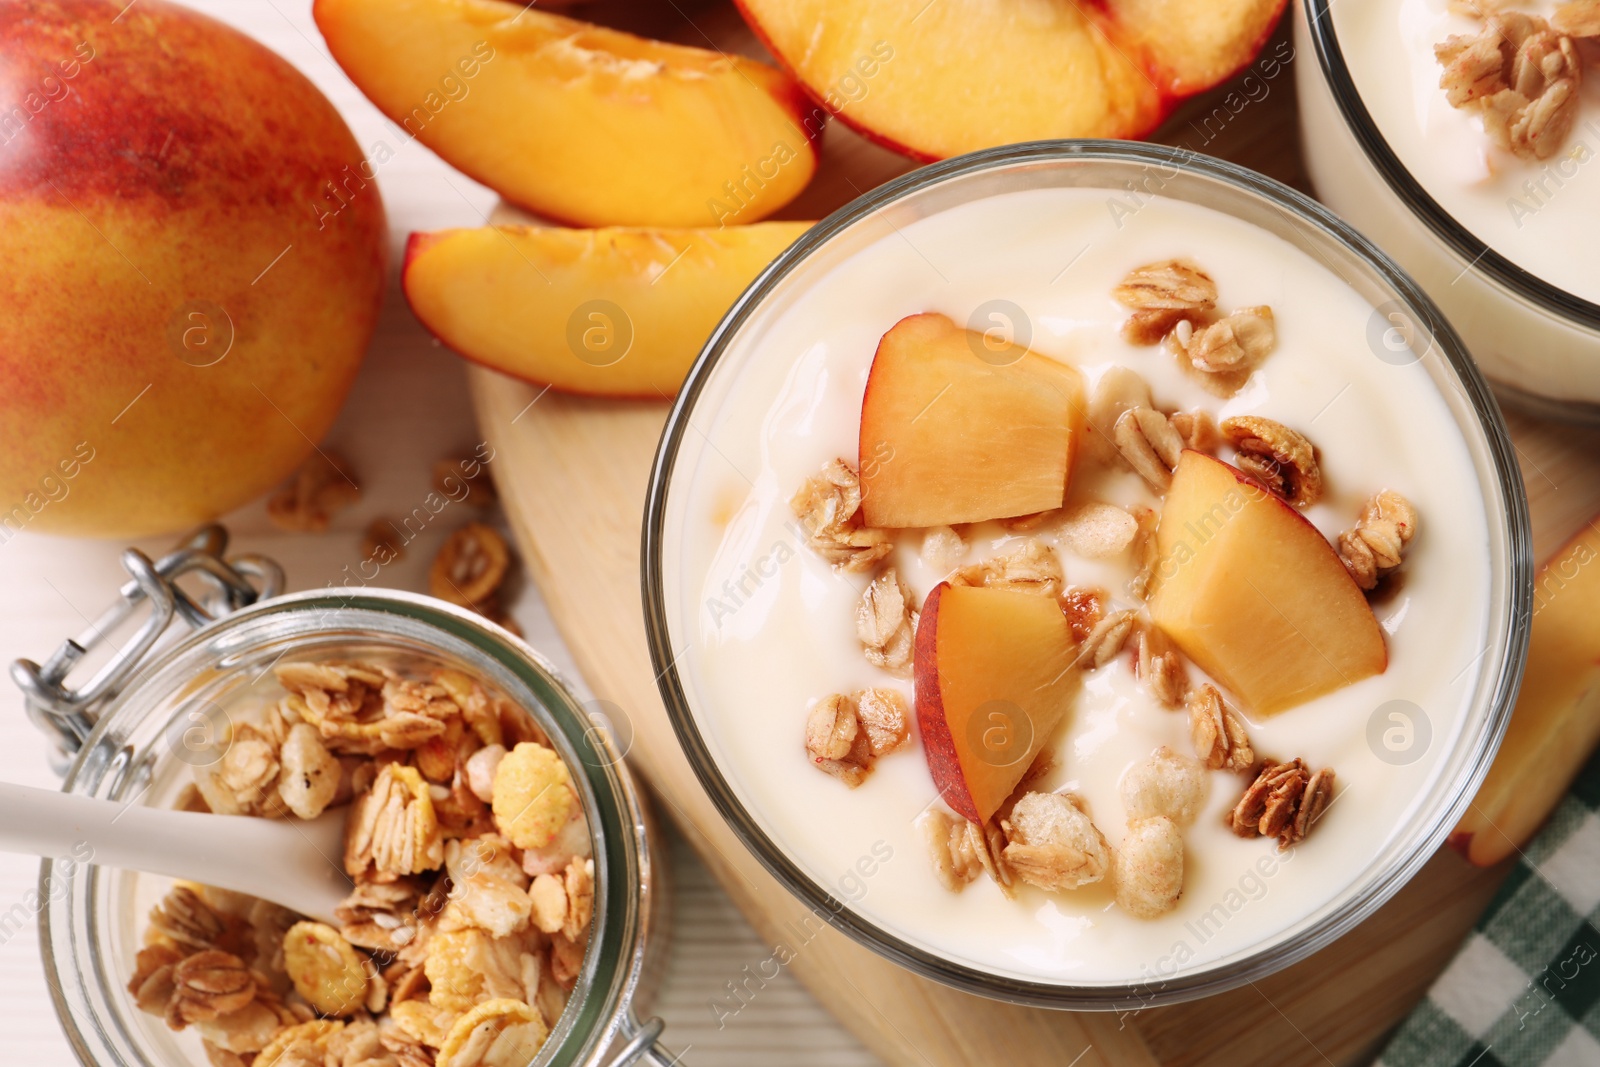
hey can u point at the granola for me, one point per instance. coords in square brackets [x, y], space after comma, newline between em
[831, 727]
[308, 773]
[845, 735]
[1232, 345]
[381, 916]
[1521, 75]
[1164, 784]
[1098, 530]
[533, 795]
[1176, 302]
[488, 887]
[961, 851]
[325, 968]
[184, 919]
[1218, 732]
[1148, 870]
[207, 985]
[466, 967]
[1084, 608]
[886, 623]
[1031, 568]
[1197, 429]
[392, 829]
[382, 543]
[829, 507]
[1052, 843]
[1281, 459]
[319, 488]
[942, 549]
[470, 567]
[1118, 391]
[364, 711]
[1106, 640]
[1161, 295]
[1376, 545]
[465, 479]
[564, 903]
[1149, 443]
[1159, 666]
[245, 781]
[1146, 553]
[1578, 18]
[885, 718]
[439, 924]
[498, 1033]
[1284, 801]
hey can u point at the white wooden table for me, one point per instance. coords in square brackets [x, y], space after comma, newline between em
[409, 408]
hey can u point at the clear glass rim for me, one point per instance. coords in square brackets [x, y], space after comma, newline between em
[625, 882]
[1110, 996]
[1444, 226]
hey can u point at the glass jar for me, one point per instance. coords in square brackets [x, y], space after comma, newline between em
[749, 345]
[1538, 344]
[171, 714]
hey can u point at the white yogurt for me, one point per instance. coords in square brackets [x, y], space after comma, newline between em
[766, 627]
[1538, 214]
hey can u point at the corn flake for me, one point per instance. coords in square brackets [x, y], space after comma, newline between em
[324, 968]
[533, 795]
[497, 1033]
[305, 1037]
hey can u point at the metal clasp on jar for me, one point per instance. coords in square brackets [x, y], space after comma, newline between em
[68, 714]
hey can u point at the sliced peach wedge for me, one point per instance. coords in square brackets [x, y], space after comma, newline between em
[1556, 723]
[612, 312]
[582, 124]
[960, 428]
[995, 675]
[1254, 594]
[938, 79]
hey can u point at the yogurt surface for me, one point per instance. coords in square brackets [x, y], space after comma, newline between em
[763, 627]
[1539, 214]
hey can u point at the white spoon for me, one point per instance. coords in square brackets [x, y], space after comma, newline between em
[289, 862]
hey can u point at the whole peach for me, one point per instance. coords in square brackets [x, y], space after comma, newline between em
[193, 250]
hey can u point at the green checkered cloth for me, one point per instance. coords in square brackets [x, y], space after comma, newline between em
[1524, 991]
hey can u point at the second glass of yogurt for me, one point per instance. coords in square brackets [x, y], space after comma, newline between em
[1462, 137]
[1063, 584]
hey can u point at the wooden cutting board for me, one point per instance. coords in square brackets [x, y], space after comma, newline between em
[572, 473]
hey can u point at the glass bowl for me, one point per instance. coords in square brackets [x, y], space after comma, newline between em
[174, 716]
[743, 340]
[1538, 344]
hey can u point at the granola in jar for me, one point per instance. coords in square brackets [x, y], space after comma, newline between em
[471, 881]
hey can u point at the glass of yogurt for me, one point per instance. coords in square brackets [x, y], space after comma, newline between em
[1035, 739]
[1484, 194]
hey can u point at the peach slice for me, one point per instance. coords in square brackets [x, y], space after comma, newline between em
[956, 427]
[1556, 723]
[615, 312]
[938, 79]
[994, 675]
[1254, 594]
[579, 123]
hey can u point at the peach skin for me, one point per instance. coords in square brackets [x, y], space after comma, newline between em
[995, 676]
[937, 80]
[192, 276]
